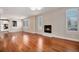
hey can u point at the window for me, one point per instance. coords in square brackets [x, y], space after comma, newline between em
[72, 19]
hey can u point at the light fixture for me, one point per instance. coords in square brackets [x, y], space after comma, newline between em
[36, 8]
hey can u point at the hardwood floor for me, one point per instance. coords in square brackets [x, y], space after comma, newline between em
[21, 41]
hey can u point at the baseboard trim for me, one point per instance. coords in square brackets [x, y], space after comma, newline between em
[67, 38]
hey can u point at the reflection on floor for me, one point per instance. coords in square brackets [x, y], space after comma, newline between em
[28, 42]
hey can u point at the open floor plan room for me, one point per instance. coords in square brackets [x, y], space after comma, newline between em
[39, 29]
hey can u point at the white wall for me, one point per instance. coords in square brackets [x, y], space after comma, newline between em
[57, 19]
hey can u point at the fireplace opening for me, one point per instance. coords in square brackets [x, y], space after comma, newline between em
[47, 28]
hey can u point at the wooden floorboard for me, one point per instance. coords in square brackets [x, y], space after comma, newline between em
[28, 42]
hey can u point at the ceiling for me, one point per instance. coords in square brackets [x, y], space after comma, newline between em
[22, 12]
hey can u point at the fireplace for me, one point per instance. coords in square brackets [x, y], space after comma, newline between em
[14, 23]
[47, 28]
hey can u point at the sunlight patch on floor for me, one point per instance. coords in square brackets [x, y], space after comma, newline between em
[25, 39]
[40, 44]
[13, 39]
